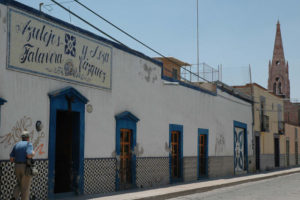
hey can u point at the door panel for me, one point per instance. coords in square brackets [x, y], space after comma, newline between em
[125, 158]
[202, 141]
[239, 157]
[175, 154]
[296, 153]
[288, 153]
[276, 151]
[257, 152]
[66, 152]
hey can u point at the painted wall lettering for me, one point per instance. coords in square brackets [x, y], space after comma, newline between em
[42, 48]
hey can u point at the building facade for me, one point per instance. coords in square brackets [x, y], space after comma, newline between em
[103, 117]
[268, 128]
[279, 82]
[292, 147]
[172, 67]
[276, 118]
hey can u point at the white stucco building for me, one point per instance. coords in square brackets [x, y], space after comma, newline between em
[103, 118]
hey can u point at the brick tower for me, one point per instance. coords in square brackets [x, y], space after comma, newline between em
[279, 81]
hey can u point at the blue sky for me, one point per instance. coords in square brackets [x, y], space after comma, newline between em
[232, 33]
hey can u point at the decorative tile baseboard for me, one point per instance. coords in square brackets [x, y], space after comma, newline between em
[152, 171]
[99, 175]
[190, 168]
[39, 183]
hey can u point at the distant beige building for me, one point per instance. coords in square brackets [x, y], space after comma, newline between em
[291, 144]
[172, 67]
[268, 126]
[279, 84]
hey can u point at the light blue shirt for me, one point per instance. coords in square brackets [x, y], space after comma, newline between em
[21, 150]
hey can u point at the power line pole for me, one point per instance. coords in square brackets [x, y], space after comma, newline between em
[253, 110]
[197, 41]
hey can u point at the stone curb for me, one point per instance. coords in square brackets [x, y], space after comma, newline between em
[209, 188]
[183, 189]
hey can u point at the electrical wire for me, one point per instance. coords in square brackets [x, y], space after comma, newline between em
[132, 37]
[49, 6]
[62, 2]
[89, 24]
[85, 21]
[227, 98]
[116, 27]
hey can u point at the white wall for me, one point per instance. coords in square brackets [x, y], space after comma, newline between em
[156, 105]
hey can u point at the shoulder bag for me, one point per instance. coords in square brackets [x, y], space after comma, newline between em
[30, 170]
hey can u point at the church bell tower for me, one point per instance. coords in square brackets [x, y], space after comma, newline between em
[279, 81]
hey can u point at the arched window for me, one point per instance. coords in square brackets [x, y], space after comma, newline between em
[279, 88]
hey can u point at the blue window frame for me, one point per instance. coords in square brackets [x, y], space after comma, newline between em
[237, 124]
[2, 101]
[126, 120]
[204, 158]
[179, 129]
[59, 102]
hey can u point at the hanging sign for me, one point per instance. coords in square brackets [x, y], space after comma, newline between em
[42, 48]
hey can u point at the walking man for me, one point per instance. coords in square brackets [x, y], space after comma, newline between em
[21, 151]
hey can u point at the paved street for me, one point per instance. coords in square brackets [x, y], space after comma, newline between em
[280, 188]
[285, 186]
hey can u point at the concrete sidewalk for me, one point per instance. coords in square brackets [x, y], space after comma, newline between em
[189, 188]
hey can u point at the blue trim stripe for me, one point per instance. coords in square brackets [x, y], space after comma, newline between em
[188, 85]
[2, 101]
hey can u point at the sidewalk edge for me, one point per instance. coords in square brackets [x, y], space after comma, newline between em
[209, 188]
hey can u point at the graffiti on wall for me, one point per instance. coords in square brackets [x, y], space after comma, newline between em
[220, 144]
[3, 16]
[14, 136]
[148, 74]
